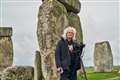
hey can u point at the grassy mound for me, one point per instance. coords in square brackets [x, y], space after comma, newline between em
[101, 75]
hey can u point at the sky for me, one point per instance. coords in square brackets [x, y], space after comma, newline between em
[99, 19]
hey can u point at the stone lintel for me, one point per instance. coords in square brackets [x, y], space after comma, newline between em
[5, 31]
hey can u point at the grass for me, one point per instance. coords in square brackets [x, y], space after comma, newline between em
[101, 75]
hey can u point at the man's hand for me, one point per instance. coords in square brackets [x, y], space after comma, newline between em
[82, 44]
[60, 70]
[81, 72]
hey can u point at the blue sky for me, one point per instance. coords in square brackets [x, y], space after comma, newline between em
[99, 18]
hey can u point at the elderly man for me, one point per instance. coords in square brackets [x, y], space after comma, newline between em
[67, 55]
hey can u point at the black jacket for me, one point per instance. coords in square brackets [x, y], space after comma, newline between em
[62, 56]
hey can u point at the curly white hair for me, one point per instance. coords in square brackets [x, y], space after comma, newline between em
[69, 29]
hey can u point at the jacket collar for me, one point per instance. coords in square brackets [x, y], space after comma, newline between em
[66, 40]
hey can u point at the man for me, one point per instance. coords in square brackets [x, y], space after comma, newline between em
[67, 55]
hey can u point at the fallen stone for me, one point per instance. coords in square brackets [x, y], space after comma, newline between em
[6, 48]
[52, 19]
[103, 59]
[74, 21]
[18, 73]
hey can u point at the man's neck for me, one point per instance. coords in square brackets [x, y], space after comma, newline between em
[69, 42]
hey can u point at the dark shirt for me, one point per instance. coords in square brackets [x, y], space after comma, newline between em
[73, 56]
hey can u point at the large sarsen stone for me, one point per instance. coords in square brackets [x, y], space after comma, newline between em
[6, 48]
[103, 58]
[52, 19]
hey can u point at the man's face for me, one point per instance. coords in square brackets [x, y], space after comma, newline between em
[69, 36]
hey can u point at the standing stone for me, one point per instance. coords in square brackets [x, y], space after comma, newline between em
[6, 48]
[103, 58]
[52, 19]
[74, 21]
[38, 67]
[18, 73]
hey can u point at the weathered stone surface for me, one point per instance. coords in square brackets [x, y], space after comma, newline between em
[52, 19]
[74, 21]
[18, 73]
[5, 31]
[103, 58]
[71, 5]
[6, 48]
[38, 67]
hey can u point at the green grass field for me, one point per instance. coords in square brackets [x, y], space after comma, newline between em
[101, 75]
